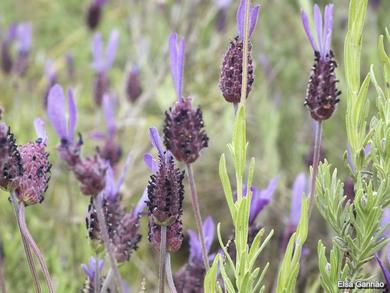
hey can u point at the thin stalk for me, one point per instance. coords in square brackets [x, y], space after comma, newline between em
[171, 283]
[2, 278]
[96, 276]
[316, 161]
[198, 217]
[106, 240]
[163, 257]
[35, 248]
[107, 281]
[27, 249]
[244, 83]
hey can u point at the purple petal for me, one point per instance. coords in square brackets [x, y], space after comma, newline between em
[328, 26]
[110, 191]
[180, 68]
[240, 18]
[140, 206]
[209, 232]
[56, 110]
[173, 57]
[254, 13]
[176, 56]
[155, 140]
[318, 25]
[88, 272]
[385, 271]
[50, 70]
[111, 49]
[223, 4]
[298, 189]
[349, 158]
[12, 33]
[97, 52]
[24, 35]
[195, 247]
[367, 149]
[385, 220]
[40, 129]
[109, 116]
[72, 116]
[306, 26]
[123, 173]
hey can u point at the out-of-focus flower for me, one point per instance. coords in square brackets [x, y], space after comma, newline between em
[6, 56]
[102, 62]
[33, 183]
[220, 21]
[322, 94]
[184, 133]
[23, 45]
[190, 277]
[90, 271]
[349, 189]
[133, 85]
[165, 198]
[111, 150]
[51, 80]
[70, 66]
[385, 271]
[94, 13]
[231, 73]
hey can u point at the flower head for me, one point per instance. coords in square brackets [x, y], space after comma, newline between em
[6, 57]
[94, 13]
[23, 38]
[33, 183]
[133, 84]
[322, 94]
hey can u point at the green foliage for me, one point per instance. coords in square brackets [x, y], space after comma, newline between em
[241, 274]
[289, 268]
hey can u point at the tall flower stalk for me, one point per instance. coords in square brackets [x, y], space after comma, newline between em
[184, 133]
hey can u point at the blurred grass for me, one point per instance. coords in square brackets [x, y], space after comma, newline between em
[279, 127]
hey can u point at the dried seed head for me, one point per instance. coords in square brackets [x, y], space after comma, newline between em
[11, 165]
[322, 94]
[32, 185]
[91, 173]
[230, 80]
[133, 85]
[189, 279]
[94, 14]
[166, 192]
[100, 87]
[174, 235]
[184, 133]
[127, 238]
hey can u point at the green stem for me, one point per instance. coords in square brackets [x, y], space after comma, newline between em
[27, 249]
[35, 248]
[171, 283]
[245, 54]
[163, 257]
[106, 240]
[316, 161]
[198, 217]
[107, 281]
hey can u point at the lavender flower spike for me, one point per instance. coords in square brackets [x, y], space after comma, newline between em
[323, 29]
[89, 269]
[176, 56]
[65, 128]
[254, 12]
[24, 37]
[195, 246]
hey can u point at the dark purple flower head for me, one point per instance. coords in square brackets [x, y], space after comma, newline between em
[11, 166]
[103, 60]
[322, 93]
[6, 56]
[63, 124]
[165, 197]
[90, 268]
[32, 185]
[195, 246]
[94, 13]
[323, 30]
[240, 17]
[261, 198]
[176, 57]
[133, 84]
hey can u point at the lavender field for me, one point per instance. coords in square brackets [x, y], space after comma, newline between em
[194, 146]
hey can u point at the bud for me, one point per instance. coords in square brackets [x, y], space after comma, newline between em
[100, 87]
[133, 85]
[111, 152]
[190, 278]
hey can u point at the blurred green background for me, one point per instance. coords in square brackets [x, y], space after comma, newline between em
[279, 127]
